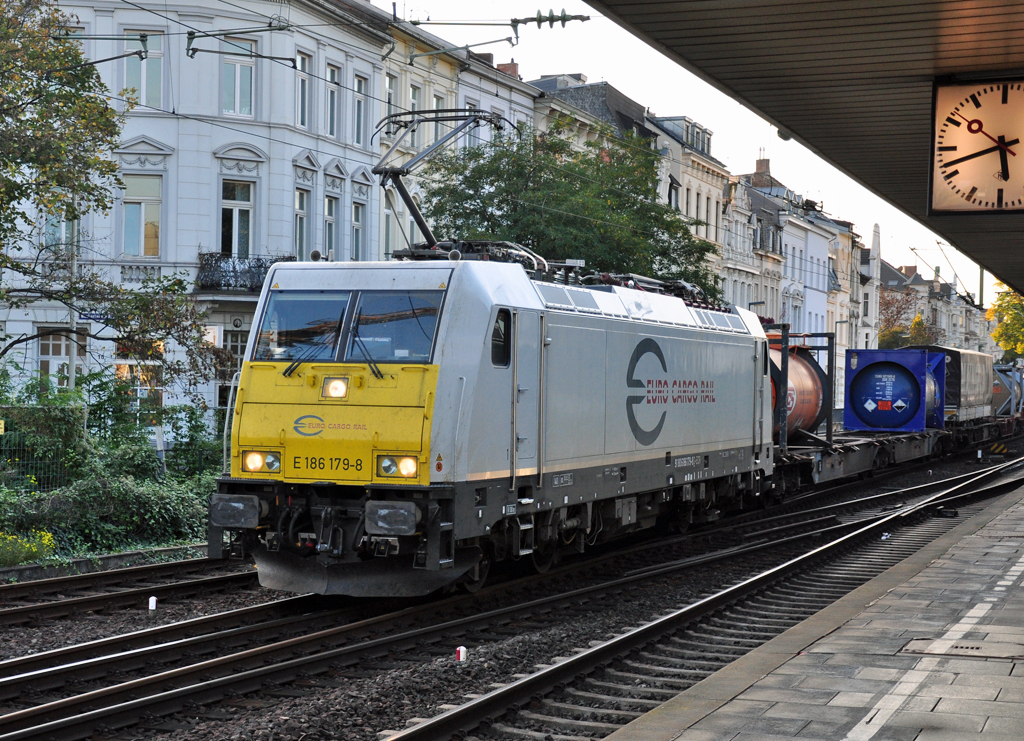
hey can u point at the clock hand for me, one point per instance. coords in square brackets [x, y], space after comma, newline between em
[990, 150]
[1003, 162]
[975, 126]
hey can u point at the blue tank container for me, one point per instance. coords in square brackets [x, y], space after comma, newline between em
[894, 390]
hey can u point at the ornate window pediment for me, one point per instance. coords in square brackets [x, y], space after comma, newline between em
[240, 158]
[335, 175]
[306, 166]
[143, 153]
[362, 181]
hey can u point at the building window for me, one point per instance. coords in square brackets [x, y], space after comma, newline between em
[687, 201]
[236, 218]
[302, 64]
[414, 105]
[146, 383]
[673, 197]
[438, 105]
[360, 110]
[358, 211]
[236, 78]
[234, 343]
[697, 213]
[473, 140]
[866, 304]
[54, 350]
[141, 215]
[333, 99]
[330, 226]
[707, 216]
[61, 232]
[389, 231]
[301, 222]
[391, 99]
[144, 76]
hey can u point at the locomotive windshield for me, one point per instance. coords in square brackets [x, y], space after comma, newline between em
[394, 326]
[301, 325]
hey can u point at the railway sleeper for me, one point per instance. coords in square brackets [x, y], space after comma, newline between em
[623, 702]
[725, 641]
[525, 733]
[765, 622]
[680, 684]
[630, 691]
[569, 724]
[654, 670]
[724, 625]
[686, 663]
[699, 653]
[589, 712]
[702, 643]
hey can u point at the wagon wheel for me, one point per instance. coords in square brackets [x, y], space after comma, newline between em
[476, 576]
[544, 557]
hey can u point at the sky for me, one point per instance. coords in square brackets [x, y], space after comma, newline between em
[604, 51]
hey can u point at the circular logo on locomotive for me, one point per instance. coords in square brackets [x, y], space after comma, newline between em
[645, 346]
[309, 425]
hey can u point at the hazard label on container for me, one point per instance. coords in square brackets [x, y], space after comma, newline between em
[885, 406]
[900, 405]
[870, 405]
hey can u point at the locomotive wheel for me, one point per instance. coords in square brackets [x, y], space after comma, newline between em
[544, 557]
[477, 575]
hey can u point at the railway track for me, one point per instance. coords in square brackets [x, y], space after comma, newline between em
[597, 691]
[61, 596]
[37, 688]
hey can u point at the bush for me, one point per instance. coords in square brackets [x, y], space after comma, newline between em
[98, 515]
[35, 546]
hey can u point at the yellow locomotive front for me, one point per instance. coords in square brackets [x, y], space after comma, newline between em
[334, 403]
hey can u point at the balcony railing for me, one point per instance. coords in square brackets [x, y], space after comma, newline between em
[224, 272]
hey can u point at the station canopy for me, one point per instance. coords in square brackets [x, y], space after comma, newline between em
[852, 80]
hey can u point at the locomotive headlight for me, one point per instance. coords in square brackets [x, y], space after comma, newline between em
[253, 461]
[393, 465]
[273, 462]
[335, 388]
[407, 467]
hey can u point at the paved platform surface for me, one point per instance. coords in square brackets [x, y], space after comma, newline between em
[930, 650]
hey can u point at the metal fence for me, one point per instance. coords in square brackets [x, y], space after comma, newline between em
[35, 446]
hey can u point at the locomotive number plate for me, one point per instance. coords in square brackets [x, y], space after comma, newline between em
[561, 479]
[326, 463]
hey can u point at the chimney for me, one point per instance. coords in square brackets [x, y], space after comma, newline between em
[762, 175]
[510, 68]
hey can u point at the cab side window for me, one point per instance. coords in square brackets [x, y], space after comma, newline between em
[501, 339]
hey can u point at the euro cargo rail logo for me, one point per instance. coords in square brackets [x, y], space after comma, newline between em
[660, 391]
[309, 425]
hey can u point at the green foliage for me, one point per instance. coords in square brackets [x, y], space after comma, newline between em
[56, 127]
[114, 492]
[600, 204]
[890, 339]
[57, 135]
[104, 513]
[921, 333]
[1008, 309]
[33, 546]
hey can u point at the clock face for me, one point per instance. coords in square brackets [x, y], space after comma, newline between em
[978, 157]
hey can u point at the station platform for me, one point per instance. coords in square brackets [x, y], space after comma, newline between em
[930, 650]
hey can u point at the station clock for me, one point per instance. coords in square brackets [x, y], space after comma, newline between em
[977, 153]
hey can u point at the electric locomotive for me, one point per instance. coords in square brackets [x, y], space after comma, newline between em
[400, 426]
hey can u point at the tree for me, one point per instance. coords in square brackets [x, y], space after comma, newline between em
[1008, 310]
[922, 333]
[600, 204]
[894, 311]
[57, 133]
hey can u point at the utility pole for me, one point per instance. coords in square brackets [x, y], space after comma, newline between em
[73, 339]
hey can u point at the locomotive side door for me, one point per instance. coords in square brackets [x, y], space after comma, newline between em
[526, 392]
